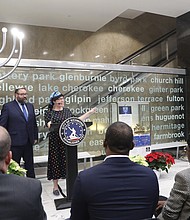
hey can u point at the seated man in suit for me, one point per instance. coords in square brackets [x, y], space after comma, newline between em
[20, 197]
[117, 189]
[177, 206]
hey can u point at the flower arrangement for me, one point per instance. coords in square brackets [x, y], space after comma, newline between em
[160, 161]
[14, 168]
[139, 159]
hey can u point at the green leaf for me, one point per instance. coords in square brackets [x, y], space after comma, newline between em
[14, 168]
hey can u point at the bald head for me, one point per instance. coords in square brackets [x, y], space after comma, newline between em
[5, 143]
[119, 138]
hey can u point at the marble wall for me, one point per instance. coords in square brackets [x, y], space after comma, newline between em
[110, 44]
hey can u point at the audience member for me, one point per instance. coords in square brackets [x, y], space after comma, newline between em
[177, 206]
[117, 189]
[19, 119]
[20, 197]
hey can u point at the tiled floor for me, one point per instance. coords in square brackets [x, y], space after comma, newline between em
[48, 200]
[165, 183]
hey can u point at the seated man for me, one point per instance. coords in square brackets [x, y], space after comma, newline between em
[20, 197]
[177, 206]
[117, 189]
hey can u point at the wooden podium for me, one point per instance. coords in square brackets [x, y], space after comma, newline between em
[71, 174]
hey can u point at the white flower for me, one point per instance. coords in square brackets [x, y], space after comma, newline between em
[139, 159]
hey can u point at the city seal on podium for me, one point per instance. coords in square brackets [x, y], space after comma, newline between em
[72, 131]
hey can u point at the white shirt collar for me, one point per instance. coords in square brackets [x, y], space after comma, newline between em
[110, 156]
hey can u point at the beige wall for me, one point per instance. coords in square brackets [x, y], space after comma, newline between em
[113, 42]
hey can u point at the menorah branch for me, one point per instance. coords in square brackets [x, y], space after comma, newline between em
[16, 36]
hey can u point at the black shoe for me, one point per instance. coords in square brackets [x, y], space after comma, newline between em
[56, 192]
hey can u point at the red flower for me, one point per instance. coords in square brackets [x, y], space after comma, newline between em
[160, 160]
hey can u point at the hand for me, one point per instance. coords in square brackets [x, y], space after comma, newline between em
[160, 204]
[49, 124]
[35, 141]
[87, 114]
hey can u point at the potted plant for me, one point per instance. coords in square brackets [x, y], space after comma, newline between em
[160, 161]
[14, 168]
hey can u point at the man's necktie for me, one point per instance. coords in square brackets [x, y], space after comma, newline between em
[24, 111]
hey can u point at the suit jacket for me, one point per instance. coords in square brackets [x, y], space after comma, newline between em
[117, 189]
[178, 203]
[20, 130]
[20, 198]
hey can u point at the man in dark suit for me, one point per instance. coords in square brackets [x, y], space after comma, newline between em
[19, 119]
[117, 189]
[20, 197]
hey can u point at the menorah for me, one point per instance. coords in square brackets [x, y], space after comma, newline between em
[16, 34]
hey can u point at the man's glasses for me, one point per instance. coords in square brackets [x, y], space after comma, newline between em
[22, 94]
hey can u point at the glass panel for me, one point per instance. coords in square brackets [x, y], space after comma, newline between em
[84, 89]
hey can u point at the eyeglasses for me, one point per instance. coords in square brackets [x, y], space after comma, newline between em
[22, 94]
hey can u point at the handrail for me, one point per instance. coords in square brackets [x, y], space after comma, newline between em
[148, 47]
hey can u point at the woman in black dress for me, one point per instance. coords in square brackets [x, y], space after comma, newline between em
[56, 114]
